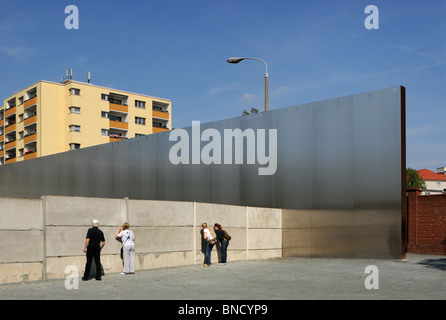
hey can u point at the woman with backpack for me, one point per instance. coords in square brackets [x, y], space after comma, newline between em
[223, 237]
[127, 238]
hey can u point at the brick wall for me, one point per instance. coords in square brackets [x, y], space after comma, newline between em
[426, 217]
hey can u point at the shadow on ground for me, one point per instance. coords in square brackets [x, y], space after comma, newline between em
[439, 264]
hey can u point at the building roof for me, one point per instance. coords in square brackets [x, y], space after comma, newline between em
[87, 84]
[430, 175]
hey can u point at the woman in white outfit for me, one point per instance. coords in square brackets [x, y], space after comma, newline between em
[127, 238]
[210, 241]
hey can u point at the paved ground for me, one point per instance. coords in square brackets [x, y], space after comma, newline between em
[420, 277]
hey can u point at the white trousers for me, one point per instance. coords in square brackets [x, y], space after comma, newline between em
[128, 255]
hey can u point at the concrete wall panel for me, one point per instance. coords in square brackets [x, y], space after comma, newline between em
[20, 272]
[264, 239]
[151, 260]
[150, 213]
[21, 246]
[376, 232]
[80, 211]
[163, 239]
[226, 215]
[332, 242]
[264, 218]
[20, 214]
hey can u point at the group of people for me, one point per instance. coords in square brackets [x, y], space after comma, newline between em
[221, 237]
[95, 241]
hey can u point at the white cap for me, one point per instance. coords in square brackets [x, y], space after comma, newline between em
[95, 223]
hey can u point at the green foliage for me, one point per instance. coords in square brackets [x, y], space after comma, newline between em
[253, 110]
[413, 180]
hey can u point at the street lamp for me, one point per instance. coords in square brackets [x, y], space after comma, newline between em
[238, 59]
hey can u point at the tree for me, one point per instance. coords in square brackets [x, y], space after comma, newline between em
[253, 110]
[413, 180]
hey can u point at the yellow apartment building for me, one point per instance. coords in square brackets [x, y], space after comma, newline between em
[49, 117]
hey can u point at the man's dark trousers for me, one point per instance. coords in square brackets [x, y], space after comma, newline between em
[93, 251]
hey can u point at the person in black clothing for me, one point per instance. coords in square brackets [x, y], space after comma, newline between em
[94, 243]
[223, 238]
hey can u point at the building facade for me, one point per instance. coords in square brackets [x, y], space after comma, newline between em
[48, 118]
[435, 181]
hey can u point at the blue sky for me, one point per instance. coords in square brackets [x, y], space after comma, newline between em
[177, 49]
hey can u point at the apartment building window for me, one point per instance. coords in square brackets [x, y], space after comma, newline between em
[139, 120]
[21, 100]
[104, 96]
[104, 114]
[75, 110]
[31, 93]
[10, 104]
[75, 146]
[139, 135]
[76, 92]
[160, 106]
[75, 128]
[104, 132]
[115, 118]
[21, 152]
[140, 104]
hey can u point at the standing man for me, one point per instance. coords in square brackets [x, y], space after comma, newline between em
[94, 243]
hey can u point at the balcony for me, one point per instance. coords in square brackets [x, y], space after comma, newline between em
[2, 122]
[10, 160]
[30, 120]
[160, 114]
[10, 144]
[115, 124]
[118, 107]
[30, 138]
[30, 155]
[30, 102]
[2, 153]
[158, 129]
[10, 128]
[116, 138]
[10, 111]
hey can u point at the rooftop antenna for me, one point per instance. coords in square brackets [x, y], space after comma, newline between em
[88, 77]
[64, 79]
[71, 73]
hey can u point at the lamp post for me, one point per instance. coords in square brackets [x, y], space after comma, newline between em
[238, 59]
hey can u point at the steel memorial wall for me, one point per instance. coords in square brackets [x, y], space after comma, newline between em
[338, 157]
